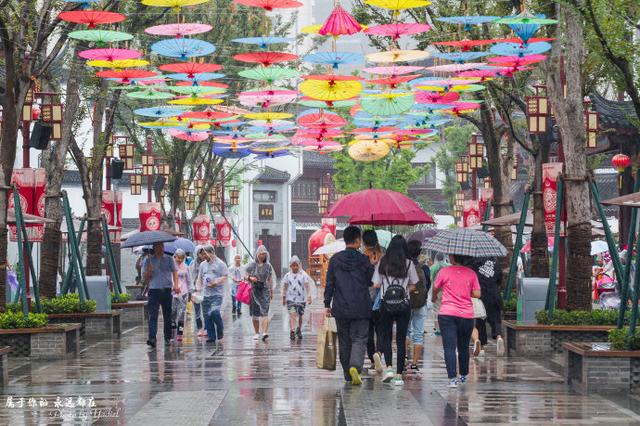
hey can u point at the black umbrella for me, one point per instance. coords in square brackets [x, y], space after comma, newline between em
[147, 238]
[422, 235]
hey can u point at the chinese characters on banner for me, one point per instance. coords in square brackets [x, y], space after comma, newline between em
[223, 231]
[31, 185]
[201, 229]
[550, 173]
[112, 211]
[471, 214]
[150, 216]
[486, 195]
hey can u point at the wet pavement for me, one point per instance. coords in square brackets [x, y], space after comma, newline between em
[240, 381]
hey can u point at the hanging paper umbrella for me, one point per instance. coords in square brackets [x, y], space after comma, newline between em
[267, 144]
[196, 90]
[91, 18]
[270, 5]
[319, 133]
[178, 30]
[525, 25]
[159, 111]
[312, 103]
[468, 21]
[160, 124]
[453, 88]
[269, 116]
[190, 68]
[176, 5]
[387, 103]
[125, 75]
[396, 30]
[393, 70]
[437, 98]
[326, 148]
[397, 56]
[318, 119]
[484, 74]
[231, 109]
[241, 153]
[465, 45]
[332, 77]
[267, 98]
[203, 83]
[263, 42]
[109, 54]
[519, 49]
[84, 4]
[367, 151]
[461, 56]
[118, 63]
[269, 74]
[207, 114]
[520, 41]
[274, 153]
[182, 48]
[330, 90]
[100, 37]
[195, 101]
[397, 5]
[195, 79]
[516, 61]
[340, 22]
[265, 58]
[134, 83]
[262, 126]
[334, 59]
[189, 136]
[455, 67]
[462, 107]
[393, 82]
[149, 94]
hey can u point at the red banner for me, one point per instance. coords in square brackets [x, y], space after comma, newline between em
[486, 195]
[31, 184]
[223, 231]
[150, 216]
[471, 215]
[550, 173]
[112, 211]
[201, 229]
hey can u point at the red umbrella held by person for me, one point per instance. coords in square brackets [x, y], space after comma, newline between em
[379, 207]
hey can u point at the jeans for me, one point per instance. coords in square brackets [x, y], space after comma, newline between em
[236, 305]
[352, 343]
[456, 334]
[374, 336]
[386, 326]
[212, 318]
[494, 309]
[416, 325]
[159, 297]
[197, 307]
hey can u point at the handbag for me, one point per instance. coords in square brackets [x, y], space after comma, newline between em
[243, 293]
[479, 310]
[197, 297]
[326, 345]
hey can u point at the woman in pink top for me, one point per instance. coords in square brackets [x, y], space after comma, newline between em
[458, 285]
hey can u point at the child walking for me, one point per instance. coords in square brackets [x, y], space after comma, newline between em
[296, 294]
[236, 273]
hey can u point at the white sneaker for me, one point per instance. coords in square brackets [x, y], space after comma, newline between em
[256, 337]
[482, 352]
[388, 375]
[377, 362]
[397, 381]
[500, 346]
[453, 383]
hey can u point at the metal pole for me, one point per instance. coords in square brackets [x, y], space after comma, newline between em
[112, 262]
[149, 178]
[487, 215]
[624, 288]
[474, 184]
[26, 164]
[562, 282]
[22, 270]
[550, 304]
[517, 246]
[83, 292]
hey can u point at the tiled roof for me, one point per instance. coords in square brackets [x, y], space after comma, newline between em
[313, 159]
[269, 174]
[613, 114]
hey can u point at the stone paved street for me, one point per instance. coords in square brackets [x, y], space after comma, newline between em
[244, 382]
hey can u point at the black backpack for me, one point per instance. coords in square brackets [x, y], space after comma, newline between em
[418, 297]
[394, 298]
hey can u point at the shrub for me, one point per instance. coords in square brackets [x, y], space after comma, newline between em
[510, 305]
[10, 320]
[595, 317]
[120, 298]
[621, 341]
[67, 304]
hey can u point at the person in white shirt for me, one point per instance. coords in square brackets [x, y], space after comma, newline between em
[236, 273]
[296, 294]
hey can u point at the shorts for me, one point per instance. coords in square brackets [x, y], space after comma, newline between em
[296, 308]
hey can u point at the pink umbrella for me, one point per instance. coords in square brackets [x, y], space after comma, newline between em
[189, 136]
[446, 82]
[321, 120]
[230, 139]
[393, 81]
[109, 54]
[178, 30]
[456, 67]
[483, 74]
[384, 129]
[410, 132]
[319, 133]
[340, 22]
[436, 97]
[383, 207]
[267, 98]
[509, 71]
[517, 60]
[398, 29]
[323, 149]
[459, 107]
[393, 70]
[231, 109]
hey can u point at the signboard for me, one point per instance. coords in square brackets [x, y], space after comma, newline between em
[150, 215]
[112, 211]
[223, 231]
[471, 213]
[201, 229]
[550, 173]
[31, 184]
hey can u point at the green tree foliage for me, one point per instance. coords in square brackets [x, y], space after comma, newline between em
[456, 139]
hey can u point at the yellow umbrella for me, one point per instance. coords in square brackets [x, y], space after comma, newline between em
[397, 5]
[119, 63]
[456, 88]
[268, 116]
[174, 4]
[311, 29]
[397, 56]
[195, 101]
[367, 151]
[327, 90]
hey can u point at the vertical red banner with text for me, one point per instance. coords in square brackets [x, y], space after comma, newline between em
[471, 215]
[550, 173]
[150, 215]
[112, 211]
[31, 184]
[201, 229]
[223, 231]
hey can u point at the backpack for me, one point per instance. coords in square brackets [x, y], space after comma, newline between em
[418, 297]
[394, 298]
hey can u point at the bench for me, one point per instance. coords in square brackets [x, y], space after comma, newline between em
[55, 341]
[93, 324]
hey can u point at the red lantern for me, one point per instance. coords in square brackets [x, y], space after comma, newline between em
[620, 162]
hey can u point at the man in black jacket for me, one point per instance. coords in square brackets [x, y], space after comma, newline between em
[346, 297]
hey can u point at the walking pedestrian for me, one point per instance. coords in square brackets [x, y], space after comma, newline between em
[197, 290]
[212, 277]
[180, 299]
[458, 284]
[372, 249]
[434, 269]
[347, 298]
[296, 295]
[159, 271]
[418, 303]
[237, 275]
[396, 277]
[490, 278]
[262, 278]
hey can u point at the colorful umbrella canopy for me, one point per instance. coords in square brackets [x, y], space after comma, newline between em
[340, 22]
[270, 5]
[159, 111]
[231, 109]
[125, 75]
[267, 98]
[330, 90]
[269, 74]
[263, 42]
[174, 4]
[325, 148]
[334, 59]
[482, 73]
[397, 56]
[272, 153]
[189, 136]
[466, 242]
[100, 37]
[190, 68]
[394, 81]
[178, 30]
[387, 103]
[393, 70]
[268, 116]
[397, 5]
[468, 21]
[319, 120]
[396, 30]
[182, 48]
[368, 150]
[384, 207]
[461, 56]
[196, 90]
[91, 18]
[312, 103]
[516, 61]
[455, 67]
[195, 79]
[465, 45]
[109, 54]
[265, 58]
[519, 49]
[332, 77]
[149, 94]
[525, 25]
[437, 98]
[207, 114]
[118, 63]
[195, 101]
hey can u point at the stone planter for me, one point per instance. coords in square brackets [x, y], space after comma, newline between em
[134, 313]
[134, 290]
[55, 341]
[509, 315]
[4, 363]
[534, 340]
[93, 324]
[592, 367]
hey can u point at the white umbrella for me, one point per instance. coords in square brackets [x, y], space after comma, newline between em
[598, 247]
[331, 248]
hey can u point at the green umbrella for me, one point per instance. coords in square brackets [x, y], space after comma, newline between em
[525, 19]
[386, 104]
[196, 90]
[149, 94]
[100, 37]
[269, 74]
[311, 103]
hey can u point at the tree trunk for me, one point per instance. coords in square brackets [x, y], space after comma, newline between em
[569, 115]
[539, 244]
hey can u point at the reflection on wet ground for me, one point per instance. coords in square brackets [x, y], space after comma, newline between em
[240, 381]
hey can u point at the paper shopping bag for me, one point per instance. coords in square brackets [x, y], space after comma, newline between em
[326, 346]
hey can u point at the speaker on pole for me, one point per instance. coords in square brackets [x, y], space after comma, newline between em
[40, 135]
[117, 167]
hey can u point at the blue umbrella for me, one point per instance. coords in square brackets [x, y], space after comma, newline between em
[203, 76]
[334, 58]
[84, 4]
[181, 243]
[461, 56]
[518, 49]
[468, 21]
[272, 154]
[227, 153]
[263, 42]
[183, 48]
[147, 238]
[525, 31]
[159, 111]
